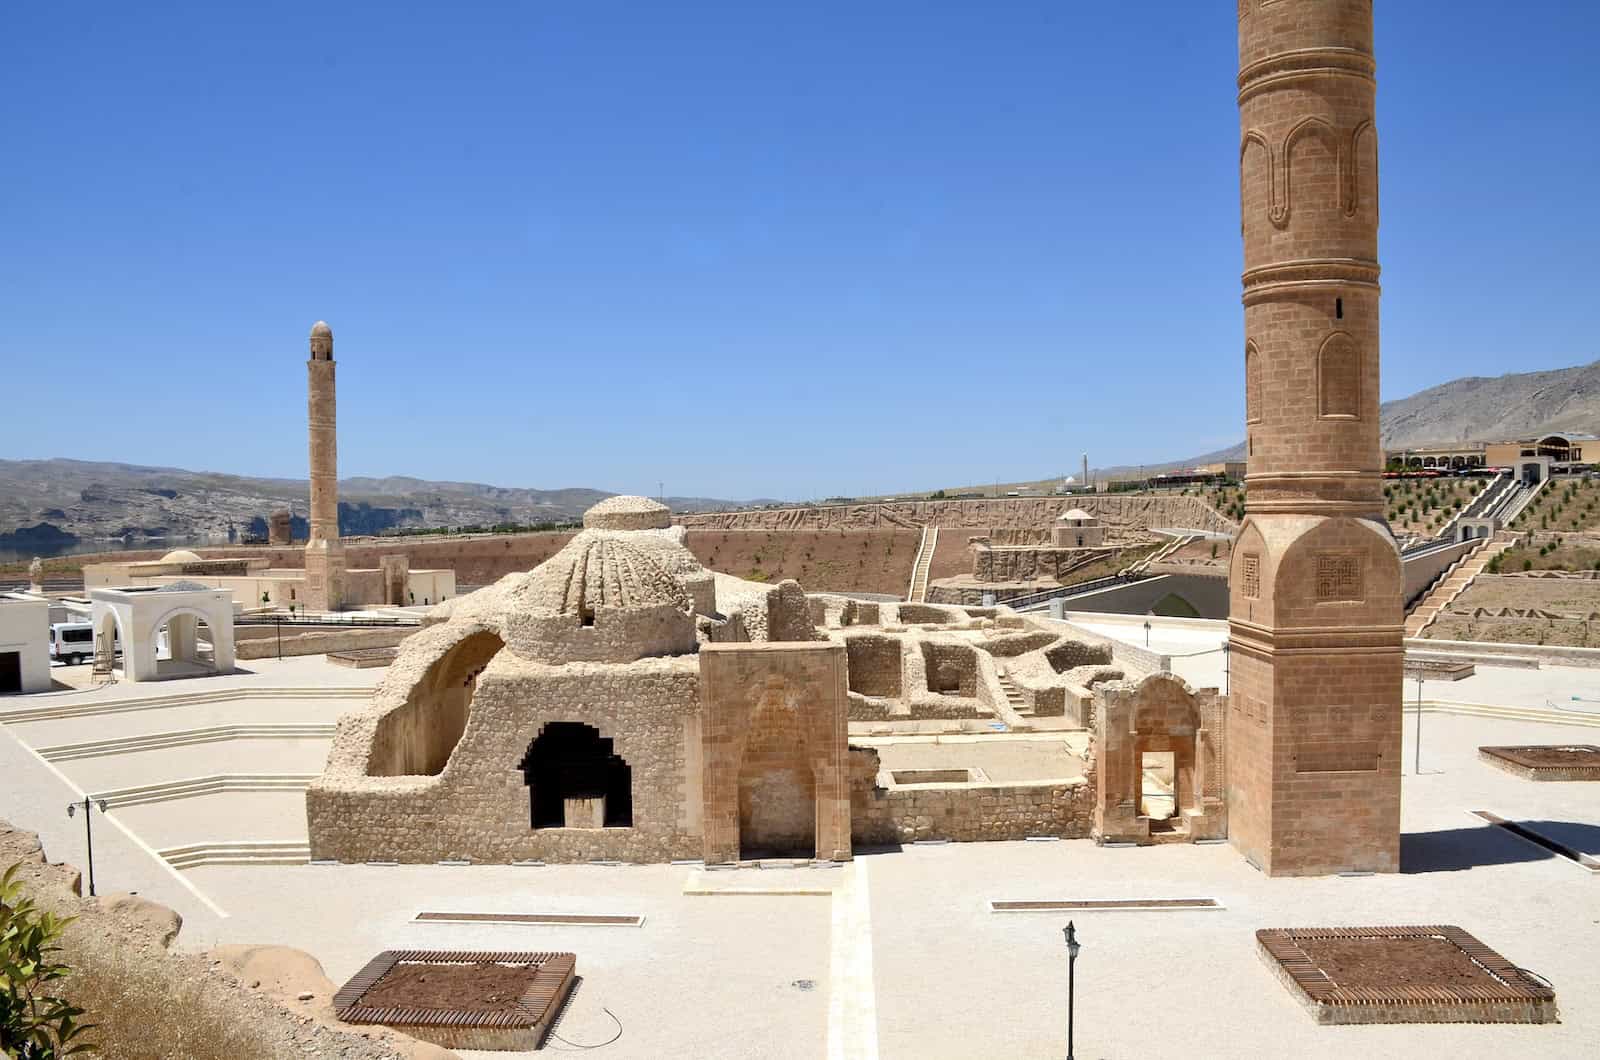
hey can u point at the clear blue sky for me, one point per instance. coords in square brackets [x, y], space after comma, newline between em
[748, 249]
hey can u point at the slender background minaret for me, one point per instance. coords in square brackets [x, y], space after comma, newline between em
[1316, 616]
[324, 550]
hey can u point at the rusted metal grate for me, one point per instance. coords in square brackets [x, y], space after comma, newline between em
[1571, 761]
[607, 919]
[1502, 981]
[536, 1007]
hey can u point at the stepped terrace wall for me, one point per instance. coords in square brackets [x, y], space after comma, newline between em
[1120, 513]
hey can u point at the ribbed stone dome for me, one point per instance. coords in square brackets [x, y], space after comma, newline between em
[601, 570]
[628, 513]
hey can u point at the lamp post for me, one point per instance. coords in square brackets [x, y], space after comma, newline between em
[1419, 725]
[1147, 633]
[1072, 966]
[88, 832]
[1225, 679]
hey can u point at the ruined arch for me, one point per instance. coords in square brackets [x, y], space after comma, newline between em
[418, 738]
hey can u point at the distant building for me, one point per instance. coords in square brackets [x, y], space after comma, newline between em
[1562, 450]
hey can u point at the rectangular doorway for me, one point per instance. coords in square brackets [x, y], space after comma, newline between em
[10, 672]
[1158, 785]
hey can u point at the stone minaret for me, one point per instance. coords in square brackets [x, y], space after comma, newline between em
[1316, 619]
[324, 550]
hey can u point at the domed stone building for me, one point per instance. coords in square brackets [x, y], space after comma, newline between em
[558, 715]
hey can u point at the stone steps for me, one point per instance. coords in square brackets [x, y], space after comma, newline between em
[1455, 583]
[1015, 698]
[919, 571]
[238, 852]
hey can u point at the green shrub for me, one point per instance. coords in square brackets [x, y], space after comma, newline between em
[34, 1024]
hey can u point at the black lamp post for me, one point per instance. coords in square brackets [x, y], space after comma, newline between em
[1225, 679]
[88, 832]
[1072, 965]
[1147, 633]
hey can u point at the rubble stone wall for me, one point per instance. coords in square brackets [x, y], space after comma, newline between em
[964, 813]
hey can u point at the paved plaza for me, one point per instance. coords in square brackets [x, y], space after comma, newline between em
[893, 955]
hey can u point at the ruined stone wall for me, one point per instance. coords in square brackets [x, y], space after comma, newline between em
[1024, 564]
[963, 813]
[952, 669]
[478, 807]
[876, 666]
[261, 642]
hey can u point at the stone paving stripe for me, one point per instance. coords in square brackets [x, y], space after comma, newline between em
[589, 919]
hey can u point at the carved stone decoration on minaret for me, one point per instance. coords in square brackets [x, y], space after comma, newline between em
[324, 549]
[1315, 612]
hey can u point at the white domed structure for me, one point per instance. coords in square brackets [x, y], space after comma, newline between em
[628, 513]
[181, 555]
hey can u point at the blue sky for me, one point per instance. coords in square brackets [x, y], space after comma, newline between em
[748, 249]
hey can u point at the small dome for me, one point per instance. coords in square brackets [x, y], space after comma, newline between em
[183, 587]
[600, 571]
[180, 555]
[1077, 514]
[321, 341]
[628, 513]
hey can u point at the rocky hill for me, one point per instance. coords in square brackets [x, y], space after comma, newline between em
[1477, 409]
[48, 504]
[1471, 409]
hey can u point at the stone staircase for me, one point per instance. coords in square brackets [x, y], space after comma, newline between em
[918, 592]
[1160, 554]
[1452, 585]
[1015, 698]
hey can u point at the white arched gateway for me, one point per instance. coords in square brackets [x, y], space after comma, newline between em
[179, 630]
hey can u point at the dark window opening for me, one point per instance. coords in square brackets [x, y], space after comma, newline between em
[1338, 308]
[587, 617]
[570, 761]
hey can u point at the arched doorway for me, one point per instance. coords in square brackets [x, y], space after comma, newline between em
[777, 787]
[185, 645]
[576, 780]
[108, 643]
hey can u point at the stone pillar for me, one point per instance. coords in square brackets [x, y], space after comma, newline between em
[280, 527]
[396, 570]
[1315, 610]
[36, 577]
[325, 563]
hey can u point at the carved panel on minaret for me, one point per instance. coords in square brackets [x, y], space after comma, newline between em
[1339, 576]
[1339, 377]
[1252, 383]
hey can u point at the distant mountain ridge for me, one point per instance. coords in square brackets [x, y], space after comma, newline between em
[1471, 409]
[49, 501]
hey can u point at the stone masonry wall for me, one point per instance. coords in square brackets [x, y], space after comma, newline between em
[963, 813]
[478, 807]
[263, 641]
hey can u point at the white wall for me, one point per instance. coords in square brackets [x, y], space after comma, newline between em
[25, 629]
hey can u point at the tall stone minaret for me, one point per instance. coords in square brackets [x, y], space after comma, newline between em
[1316, 619]
[324, 550]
